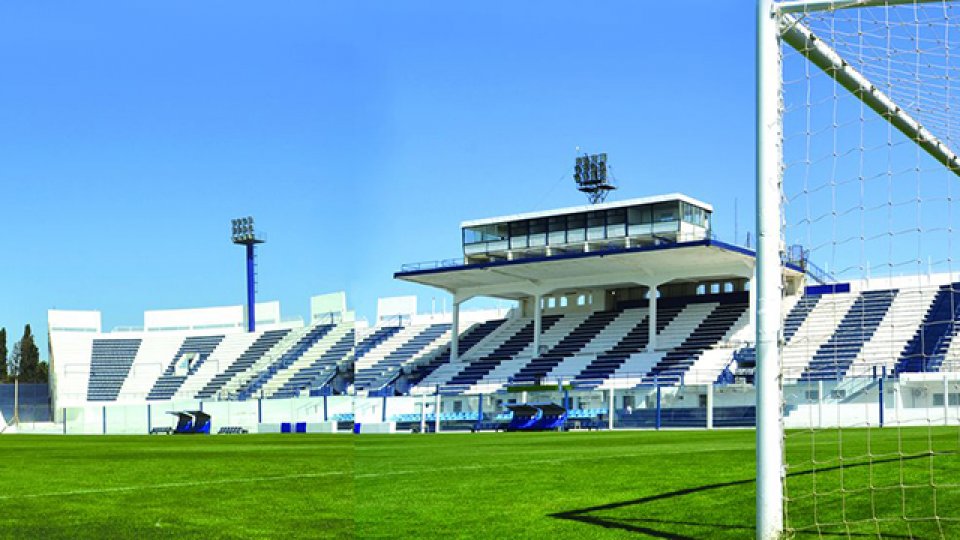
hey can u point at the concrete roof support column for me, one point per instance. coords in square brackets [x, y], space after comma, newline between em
[455, 333]
[455, 327]
[537, 322]
[652, 318]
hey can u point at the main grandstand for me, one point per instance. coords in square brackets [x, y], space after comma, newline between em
[623, 301]
[629, 308]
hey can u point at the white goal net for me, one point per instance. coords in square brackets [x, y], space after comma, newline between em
[866, 126]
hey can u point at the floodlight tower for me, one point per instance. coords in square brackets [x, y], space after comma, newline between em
[590, 174]
[243, 234]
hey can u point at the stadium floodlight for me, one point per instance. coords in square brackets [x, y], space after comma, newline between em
[590, 174]
[857, 161]
[242, 233]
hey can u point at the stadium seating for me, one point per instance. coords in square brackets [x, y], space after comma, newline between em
[375, 338]
[929, 344]
[304, 341]
[109, 366]
[798, 314]
[381, 363]
[312, 371]
[834, 357]
[257, 349]
[832, 332]
[635, 341]
[713, 329]
[569, 346]
[696, 338]
[473, 335]
[519, 336]
[169, 382]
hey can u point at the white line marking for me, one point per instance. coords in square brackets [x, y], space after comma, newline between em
[199, 483]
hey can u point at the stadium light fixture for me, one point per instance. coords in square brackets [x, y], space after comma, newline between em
[242, 233]
[590, 174]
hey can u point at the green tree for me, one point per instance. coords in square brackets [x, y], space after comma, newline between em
[3, 355]
[29, 358]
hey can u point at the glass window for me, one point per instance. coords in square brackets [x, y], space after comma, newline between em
[518, 228]
[616, 222]
[687, 212]
[496, 236]
[639, 218]
[518, 234]
[472, 236]
[576, 224]
[557, 230]
[693, 214]
[639, 215]
[595, 225]
[538, 232]
[664, 212]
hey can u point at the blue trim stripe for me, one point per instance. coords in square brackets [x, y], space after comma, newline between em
[569, 256]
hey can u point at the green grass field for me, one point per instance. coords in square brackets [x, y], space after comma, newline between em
[670, 484]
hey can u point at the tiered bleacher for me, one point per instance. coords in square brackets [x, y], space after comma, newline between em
[176, 357]
[109, 366]
[191, 355]
[304, 341]
[310, 373]
[593, 350]
[380, 364]
[264, 343]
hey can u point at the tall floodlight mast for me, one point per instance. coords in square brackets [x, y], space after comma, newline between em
[243, 234]
[590, 174]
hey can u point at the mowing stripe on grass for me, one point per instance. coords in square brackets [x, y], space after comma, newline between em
[169, 485]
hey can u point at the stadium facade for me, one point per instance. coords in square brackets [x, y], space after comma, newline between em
[629, 313]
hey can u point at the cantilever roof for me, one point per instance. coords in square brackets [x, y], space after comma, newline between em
[674, 262]
[588, 208]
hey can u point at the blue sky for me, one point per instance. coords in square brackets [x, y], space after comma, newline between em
[358, 135]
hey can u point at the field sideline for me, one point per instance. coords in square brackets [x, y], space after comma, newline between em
[670, 484]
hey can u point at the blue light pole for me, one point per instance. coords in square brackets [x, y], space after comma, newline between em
[243, 234]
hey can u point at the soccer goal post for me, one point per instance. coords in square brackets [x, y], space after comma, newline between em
[857, 167]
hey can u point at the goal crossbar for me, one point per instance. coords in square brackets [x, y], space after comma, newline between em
[806, 6]
[801, 38]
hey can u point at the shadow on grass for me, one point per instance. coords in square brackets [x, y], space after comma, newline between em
[667, 528]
